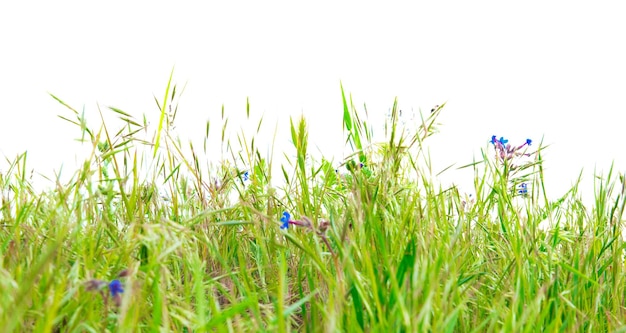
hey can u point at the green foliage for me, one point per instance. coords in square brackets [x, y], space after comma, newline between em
[376, 245]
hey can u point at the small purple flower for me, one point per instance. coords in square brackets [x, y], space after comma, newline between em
[116, 288]
[285, 220]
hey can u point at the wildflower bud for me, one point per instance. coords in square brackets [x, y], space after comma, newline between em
[124, 273]
[323, 226]
[94, 285]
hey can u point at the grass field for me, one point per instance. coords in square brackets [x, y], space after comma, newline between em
[147, 237]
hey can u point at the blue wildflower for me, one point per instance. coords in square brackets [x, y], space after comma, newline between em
[245, 176]
[502, 140]
[523, 189]
[529, 141]
[285, 220]
[116, 288]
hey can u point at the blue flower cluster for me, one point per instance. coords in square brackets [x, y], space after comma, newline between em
[505, 151]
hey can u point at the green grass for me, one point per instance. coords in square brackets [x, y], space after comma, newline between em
[374, 244]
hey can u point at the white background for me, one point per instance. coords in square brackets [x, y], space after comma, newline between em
[547, 71]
